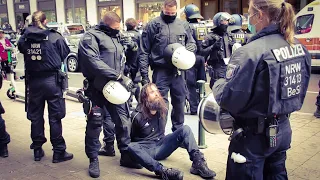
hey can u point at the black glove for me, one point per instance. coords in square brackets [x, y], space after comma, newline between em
[127, 83]
[145, 80]
[217, 45]
[191, 47]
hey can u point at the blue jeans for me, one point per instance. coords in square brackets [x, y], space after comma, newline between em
[147, 153]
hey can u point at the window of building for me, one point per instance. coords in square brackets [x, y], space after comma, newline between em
[105, 6]
[19, 1]
[3, 18]
[230, 6]
[76, 11]
[304, 24]
[49, 8]
[148, 10]
[104, 10]
[3, 2]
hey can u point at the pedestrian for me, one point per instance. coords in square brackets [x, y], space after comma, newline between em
[317, 113]
[266, 80]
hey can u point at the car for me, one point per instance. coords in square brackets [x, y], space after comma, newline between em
[72, 33]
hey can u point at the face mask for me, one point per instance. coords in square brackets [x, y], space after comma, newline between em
[252, 28]
[167, 18]
[108, 30]
[223, 27]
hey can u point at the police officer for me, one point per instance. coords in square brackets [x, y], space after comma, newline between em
[101, 52]
[266, 80]
[197, 72]
[217, 45]
[132, 64]
[157, 35]
[235, 28]
[44, 51]
[4, 136]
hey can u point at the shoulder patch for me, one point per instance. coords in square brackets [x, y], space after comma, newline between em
[231, 71]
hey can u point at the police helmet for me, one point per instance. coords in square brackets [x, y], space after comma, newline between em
[220, 16]
[115, 93]
[214, 119]
[192, 12]
[179, 56]
[235, 22]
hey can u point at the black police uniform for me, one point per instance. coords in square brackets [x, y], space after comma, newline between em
[44, 51]
[266, 80]
[101, 53]
[132, 64]
[4, 136]
[155, 38]
[197, 72]
[216, 46]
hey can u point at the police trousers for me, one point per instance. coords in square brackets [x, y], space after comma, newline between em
[318, 97]
[45, 88]
[119, 116]
[216, 72]
[4, 136]
[263, 162]
[168, 79]
[197, 72]
[108, 128]
[147, 153]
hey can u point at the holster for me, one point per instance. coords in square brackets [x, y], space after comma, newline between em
[63, 80]
[96, 116]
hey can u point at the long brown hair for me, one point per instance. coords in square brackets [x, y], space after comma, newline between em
[144, 102]
[38, 19]
[278, 11]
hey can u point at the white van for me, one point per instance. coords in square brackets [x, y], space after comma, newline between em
[307, 30]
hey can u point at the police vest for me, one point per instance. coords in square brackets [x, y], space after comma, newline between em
[199, 31]
[40, 54]
[289, 78]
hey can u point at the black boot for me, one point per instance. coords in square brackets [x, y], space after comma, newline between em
[107, 150]
[200, 167]
[127, 161]
[60, 157]
[94, 170]
[169, 173]
[38, 154]
[4, 151]
[317, 113]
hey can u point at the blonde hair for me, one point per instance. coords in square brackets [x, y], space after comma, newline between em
[38, 19]
[278, 12]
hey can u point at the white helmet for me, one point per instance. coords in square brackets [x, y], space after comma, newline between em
[115, 93]
[180, 56]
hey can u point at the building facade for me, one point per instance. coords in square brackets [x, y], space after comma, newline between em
[91, 11]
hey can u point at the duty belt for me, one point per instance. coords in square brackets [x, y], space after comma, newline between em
[39, 74]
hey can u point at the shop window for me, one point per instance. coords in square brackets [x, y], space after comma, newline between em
[51, 15]
[104, 10]
[3, 18]
[148, 11]
[79, 13]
